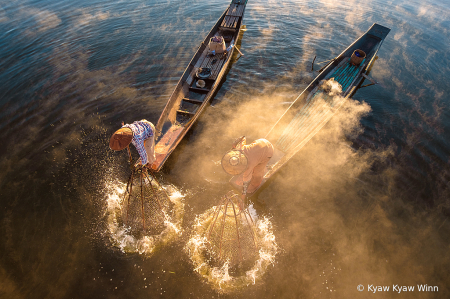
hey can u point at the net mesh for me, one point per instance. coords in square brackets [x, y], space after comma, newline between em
[231, 233]
[146, 206]
[312, 117]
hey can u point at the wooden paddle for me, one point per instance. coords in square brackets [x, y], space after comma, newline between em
[239, 50]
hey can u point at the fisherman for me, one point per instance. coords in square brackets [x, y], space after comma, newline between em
[248, 161]
[142, 135]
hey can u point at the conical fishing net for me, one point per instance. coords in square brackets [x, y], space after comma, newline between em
[146, 206]
[231, 234]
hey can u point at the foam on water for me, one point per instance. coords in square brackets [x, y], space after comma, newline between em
[120, 235]
[219, 277]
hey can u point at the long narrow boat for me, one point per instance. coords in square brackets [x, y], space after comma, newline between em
[190, 97]
[315, 106]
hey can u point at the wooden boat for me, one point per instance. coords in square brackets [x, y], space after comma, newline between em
[315, 106]
[190, 96]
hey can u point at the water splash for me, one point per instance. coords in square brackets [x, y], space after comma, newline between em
[120, 235]
[219, 276]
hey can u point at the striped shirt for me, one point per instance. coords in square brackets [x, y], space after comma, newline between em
[142, 130]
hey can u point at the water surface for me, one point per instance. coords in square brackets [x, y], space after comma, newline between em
[365, 202]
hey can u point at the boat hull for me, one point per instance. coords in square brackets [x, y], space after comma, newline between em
[189, 99]
[323, 97]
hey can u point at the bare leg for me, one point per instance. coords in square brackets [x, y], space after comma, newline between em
[257, 175]
[150, 147]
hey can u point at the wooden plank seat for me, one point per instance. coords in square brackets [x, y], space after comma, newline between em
[185, 112]
[229, 22]
[231, 30]
[198, 90]
[211, 61]
[214, 62]
[193, 101]
[235, 10]
[217, 67]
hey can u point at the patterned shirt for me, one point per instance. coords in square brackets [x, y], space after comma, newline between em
[142, 130]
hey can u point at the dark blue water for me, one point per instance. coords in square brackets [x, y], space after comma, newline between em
[367, 201]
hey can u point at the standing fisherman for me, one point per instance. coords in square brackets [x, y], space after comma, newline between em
[142, 135]
[249, 161]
